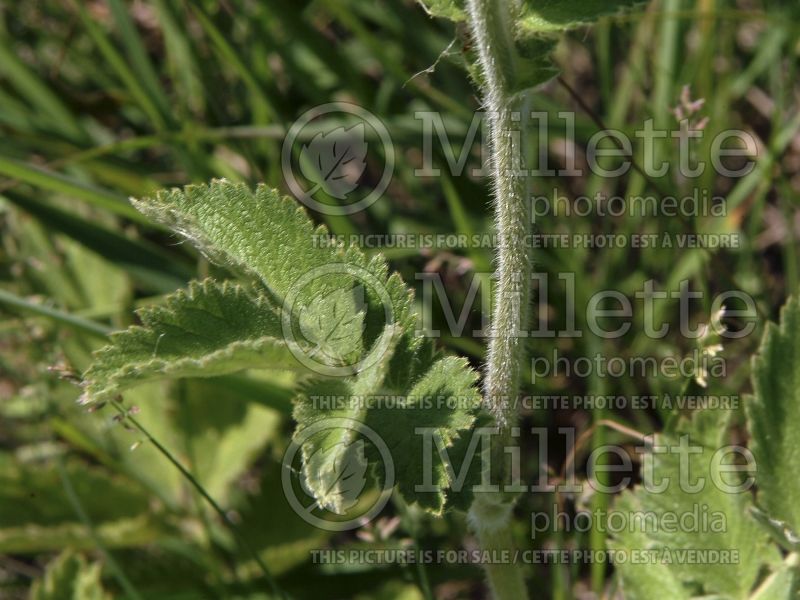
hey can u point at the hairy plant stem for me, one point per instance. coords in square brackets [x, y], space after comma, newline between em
[492, 22]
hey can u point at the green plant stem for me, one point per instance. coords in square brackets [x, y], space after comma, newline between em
[59, 316]
[491, 28]
[491, 22]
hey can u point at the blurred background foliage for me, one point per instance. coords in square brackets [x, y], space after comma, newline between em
[107, 99]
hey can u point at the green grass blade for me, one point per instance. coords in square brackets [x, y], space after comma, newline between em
[59, 316]
[133, 255]
[63, 184]
[125, 74]
[38, 94]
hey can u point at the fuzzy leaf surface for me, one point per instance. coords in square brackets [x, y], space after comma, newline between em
[329, 454]
[440, 405]
[695, 483]
[442, 401]
[271, 237]
[210, 329]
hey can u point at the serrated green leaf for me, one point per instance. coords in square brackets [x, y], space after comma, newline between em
[723, 521]
[655, 580]
[270, 237]
[69, 577]
[444, 399]
[339, 300]
[264, 233]
[208, 330]
[330, 454]
[773, 414]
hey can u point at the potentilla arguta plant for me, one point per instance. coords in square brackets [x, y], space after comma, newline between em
[267, 242]
[214, 328]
